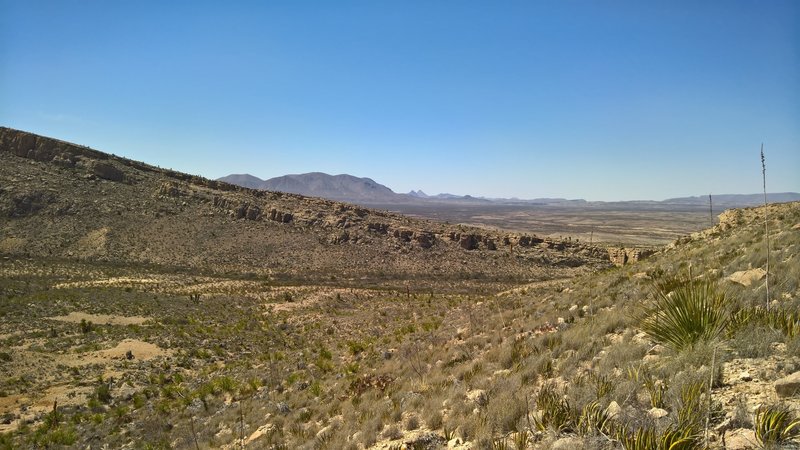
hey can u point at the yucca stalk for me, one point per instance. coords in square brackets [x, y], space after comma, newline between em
[710, 210]
[766, 223]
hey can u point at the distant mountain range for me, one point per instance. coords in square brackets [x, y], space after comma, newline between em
[367, 191]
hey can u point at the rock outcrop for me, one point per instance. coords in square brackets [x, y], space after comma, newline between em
[619, 256]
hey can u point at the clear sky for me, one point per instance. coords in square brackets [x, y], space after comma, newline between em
[603, 100]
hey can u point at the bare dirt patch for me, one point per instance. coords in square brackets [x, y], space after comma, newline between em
[140, 350]
[101, 319]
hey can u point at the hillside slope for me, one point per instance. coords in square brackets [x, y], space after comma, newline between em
[66, 201]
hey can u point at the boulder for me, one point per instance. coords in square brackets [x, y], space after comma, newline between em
[469, 241]
[788, 386]
[747, 277]
[106, 171]
[425, 239]
[403, 235]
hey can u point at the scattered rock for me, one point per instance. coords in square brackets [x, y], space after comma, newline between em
[657, 413]
[427, 441]
[567, 443]
[454, 443]
[478, 396]
[788, 386]
[745, 376]
[740, 439]
[283, 408]
[656, 350]
[501, 373]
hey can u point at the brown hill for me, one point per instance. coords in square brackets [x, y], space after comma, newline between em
[63, 200]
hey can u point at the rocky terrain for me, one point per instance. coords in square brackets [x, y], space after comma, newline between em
[143, 308]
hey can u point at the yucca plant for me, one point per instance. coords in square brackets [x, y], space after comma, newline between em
[595, 419]
[673, 438]
[690, 411]
[556, 412]
[776, 425]
[692, 312]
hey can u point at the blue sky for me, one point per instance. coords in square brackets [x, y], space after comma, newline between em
[612, 100]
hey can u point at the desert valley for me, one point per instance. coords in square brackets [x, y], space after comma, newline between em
[147, 308]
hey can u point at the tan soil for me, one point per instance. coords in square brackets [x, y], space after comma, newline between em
[101, 319]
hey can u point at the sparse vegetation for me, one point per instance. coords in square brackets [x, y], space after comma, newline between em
[169, 354]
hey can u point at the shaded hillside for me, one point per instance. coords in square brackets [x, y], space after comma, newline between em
[66, 201]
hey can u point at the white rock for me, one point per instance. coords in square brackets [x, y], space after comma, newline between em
[613, 409]
[657, 413]
[745, 376]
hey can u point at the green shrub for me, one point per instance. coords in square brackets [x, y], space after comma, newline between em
[693, 312]
[103, 393]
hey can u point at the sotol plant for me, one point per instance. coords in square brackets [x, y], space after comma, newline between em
[692, 312]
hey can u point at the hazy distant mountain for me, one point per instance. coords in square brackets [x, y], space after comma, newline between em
[317, 184]
[735, 200]
[243, 180]
[418, 194]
